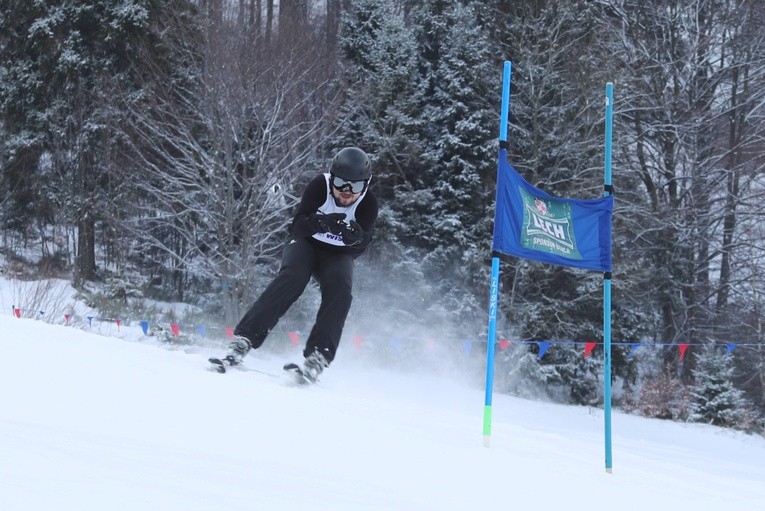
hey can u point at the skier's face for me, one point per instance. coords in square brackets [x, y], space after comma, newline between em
[345, 197]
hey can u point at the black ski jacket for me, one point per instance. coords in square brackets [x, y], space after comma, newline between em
[317, 198]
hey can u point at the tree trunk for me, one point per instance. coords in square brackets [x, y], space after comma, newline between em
[332, 23]
[85, 268]
[269, 20]
[293, 19]
[729, 220]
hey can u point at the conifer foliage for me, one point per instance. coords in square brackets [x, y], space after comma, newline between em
[715, 399]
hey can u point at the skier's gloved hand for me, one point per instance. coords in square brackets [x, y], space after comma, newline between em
[319, 222]
[336, 223]
[352, 233]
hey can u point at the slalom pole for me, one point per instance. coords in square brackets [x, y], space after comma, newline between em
[494, 287]
[607, 191]
[505, 109]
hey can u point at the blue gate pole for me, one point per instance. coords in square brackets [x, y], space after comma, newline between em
[494, 287]
[608, 190]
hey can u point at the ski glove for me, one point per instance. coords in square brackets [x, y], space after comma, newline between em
[352, 234]
[332, 222]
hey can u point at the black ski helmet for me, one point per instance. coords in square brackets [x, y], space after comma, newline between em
[351, 164]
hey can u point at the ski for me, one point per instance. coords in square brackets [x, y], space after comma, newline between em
[294, 372]
[218, 364]
[221, 365]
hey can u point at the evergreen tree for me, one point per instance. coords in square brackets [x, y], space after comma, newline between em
[23, 123]
[715, 399]
[380, 114]
[61, 61]
[459, 119]
[383, 115]
[563, 374]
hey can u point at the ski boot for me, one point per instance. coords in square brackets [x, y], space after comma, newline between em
[313, 365]
[237, 349]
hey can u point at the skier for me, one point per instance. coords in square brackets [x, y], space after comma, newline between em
[333, 225]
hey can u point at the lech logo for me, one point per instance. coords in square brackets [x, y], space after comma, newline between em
[547, 226]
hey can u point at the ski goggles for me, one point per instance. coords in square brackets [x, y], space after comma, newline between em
[348, 186]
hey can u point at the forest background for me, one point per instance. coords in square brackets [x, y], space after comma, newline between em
[156, 148]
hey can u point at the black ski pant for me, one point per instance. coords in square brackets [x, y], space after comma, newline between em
[302, 259]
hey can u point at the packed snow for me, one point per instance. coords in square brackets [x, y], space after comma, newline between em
[94, 422]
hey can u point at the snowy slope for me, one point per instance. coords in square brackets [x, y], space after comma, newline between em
[93, 423]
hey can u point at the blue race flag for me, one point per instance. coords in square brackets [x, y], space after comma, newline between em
[532, 224]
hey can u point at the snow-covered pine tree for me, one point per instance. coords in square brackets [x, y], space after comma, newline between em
[381, 110]
[459, 116]
[565, 376]
[715, 399]
[61, 62]
[383, 115]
